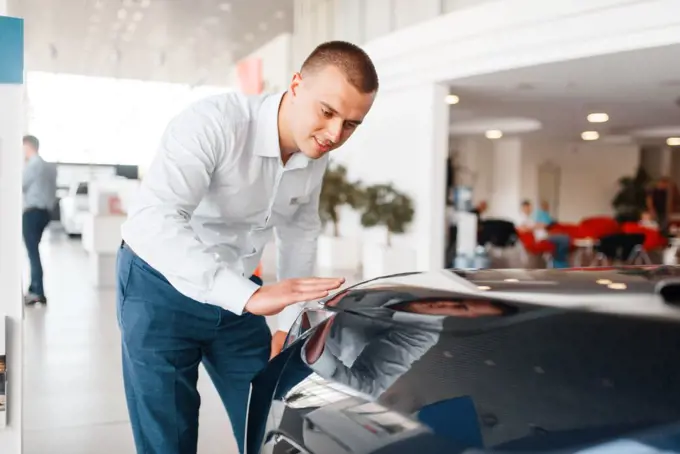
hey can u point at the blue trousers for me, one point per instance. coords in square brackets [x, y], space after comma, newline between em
[561, 257]
[165, 336]
[34, 222]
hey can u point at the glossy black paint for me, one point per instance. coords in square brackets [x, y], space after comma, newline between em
[502, 361]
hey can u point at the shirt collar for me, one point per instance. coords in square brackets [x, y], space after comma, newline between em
[267, 132]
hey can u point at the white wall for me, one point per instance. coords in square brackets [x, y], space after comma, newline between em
[277, 63]
[588, 181]
[12, 118]
[404, 141]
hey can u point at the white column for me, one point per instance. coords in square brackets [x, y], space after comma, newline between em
[404, 141]
[506, 195]
[11, 307]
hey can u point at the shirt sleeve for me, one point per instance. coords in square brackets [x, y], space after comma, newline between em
[296, 243]
[158, 228]
[29, 176]
[387, 356]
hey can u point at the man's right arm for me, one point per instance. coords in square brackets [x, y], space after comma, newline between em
[192, 148]
[159, 230]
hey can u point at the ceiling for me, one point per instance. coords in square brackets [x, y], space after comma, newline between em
[637, 89]
[184, 41]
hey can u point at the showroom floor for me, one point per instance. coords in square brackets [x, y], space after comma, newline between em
[73, 393]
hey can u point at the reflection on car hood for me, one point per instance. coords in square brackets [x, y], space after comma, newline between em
[650, 291]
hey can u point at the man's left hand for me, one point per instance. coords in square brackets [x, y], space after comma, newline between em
[278, 339]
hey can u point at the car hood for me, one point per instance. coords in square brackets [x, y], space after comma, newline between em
[638, 291]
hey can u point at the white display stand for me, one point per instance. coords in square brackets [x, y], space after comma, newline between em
[108, 201]
[381, 260]
[466, 240]
[338, 253]
[101, 239]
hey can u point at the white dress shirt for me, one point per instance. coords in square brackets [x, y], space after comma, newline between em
[214, 194]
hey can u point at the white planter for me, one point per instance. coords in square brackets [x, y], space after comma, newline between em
[338, 253]
[380, 260]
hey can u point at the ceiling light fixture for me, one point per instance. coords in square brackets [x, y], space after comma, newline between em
[673, 142]
[617, 286]
[122, 13]
[452, 99]
[138, 16]
[249, 37]
[493, 134]
[263, 26]
[145, 3]
[226, 7]
[590, 135]
[279, 14]
[598, 118]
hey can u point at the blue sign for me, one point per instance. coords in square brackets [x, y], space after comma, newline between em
[11, 50]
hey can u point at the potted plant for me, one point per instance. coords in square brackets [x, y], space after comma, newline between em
[631, 200]
[335, 251]
[384, 206]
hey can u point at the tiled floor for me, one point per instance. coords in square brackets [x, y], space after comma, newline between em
[73, 393]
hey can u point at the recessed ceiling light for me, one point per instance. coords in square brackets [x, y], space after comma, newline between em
[249, 37]
[598, 118]
[493, 134]
[145, 3]
[99, 4]
[617, 286]
[483, 287]
[138, 16]
[122, 13]
[590, 135]
[262, 26]
[673, 142]
[604, 281]
[279, 14]
[132, 26]
[452, 99]
[226, 7]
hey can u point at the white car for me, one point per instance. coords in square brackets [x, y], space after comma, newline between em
[74, 207]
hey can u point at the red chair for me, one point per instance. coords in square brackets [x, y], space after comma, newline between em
[653, 238]
[597, 227]
[543, 248]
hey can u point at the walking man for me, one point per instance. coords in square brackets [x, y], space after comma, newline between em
[230, 171]
[39, 187]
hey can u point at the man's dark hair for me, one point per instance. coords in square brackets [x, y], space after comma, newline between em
[350, 59]
[526, 203]
[33, 142]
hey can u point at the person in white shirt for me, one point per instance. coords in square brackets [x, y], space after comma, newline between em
[536, 223]
[230, 171]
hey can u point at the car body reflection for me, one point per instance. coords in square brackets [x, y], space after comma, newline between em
[397, 366]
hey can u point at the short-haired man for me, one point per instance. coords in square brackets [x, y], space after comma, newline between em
[39, 189]
[230, 170]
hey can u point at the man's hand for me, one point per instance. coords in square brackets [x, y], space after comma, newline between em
[272, 299]
[278, 339]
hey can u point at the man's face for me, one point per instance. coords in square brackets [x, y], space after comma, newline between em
[28, 151]
[326, 110]
[526, 209]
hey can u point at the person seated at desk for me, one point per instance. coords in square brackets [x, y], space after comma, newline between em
[539, 227]
[647, 221]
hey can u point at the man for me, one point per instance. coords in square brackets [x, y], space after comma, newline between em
[40, 192]
[528, 222]
[657, 201]
[230, 169]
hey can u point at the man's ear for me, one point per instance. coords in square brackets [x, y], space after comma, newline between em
[295, 83]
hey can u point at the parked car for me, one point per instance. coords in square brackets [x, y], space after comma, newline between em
[480, 361]
[74, 207]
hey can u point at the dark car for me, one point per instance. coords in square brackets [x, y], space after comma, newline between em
[483, 361]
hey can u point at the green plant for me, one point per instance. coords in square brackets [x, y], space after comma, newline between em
[384, 205]
[631, 200]
[336, 191]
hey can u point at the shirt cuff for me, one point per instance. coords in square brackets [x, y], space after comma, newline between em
[287, 317]
[231, 291]
[325, 366]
